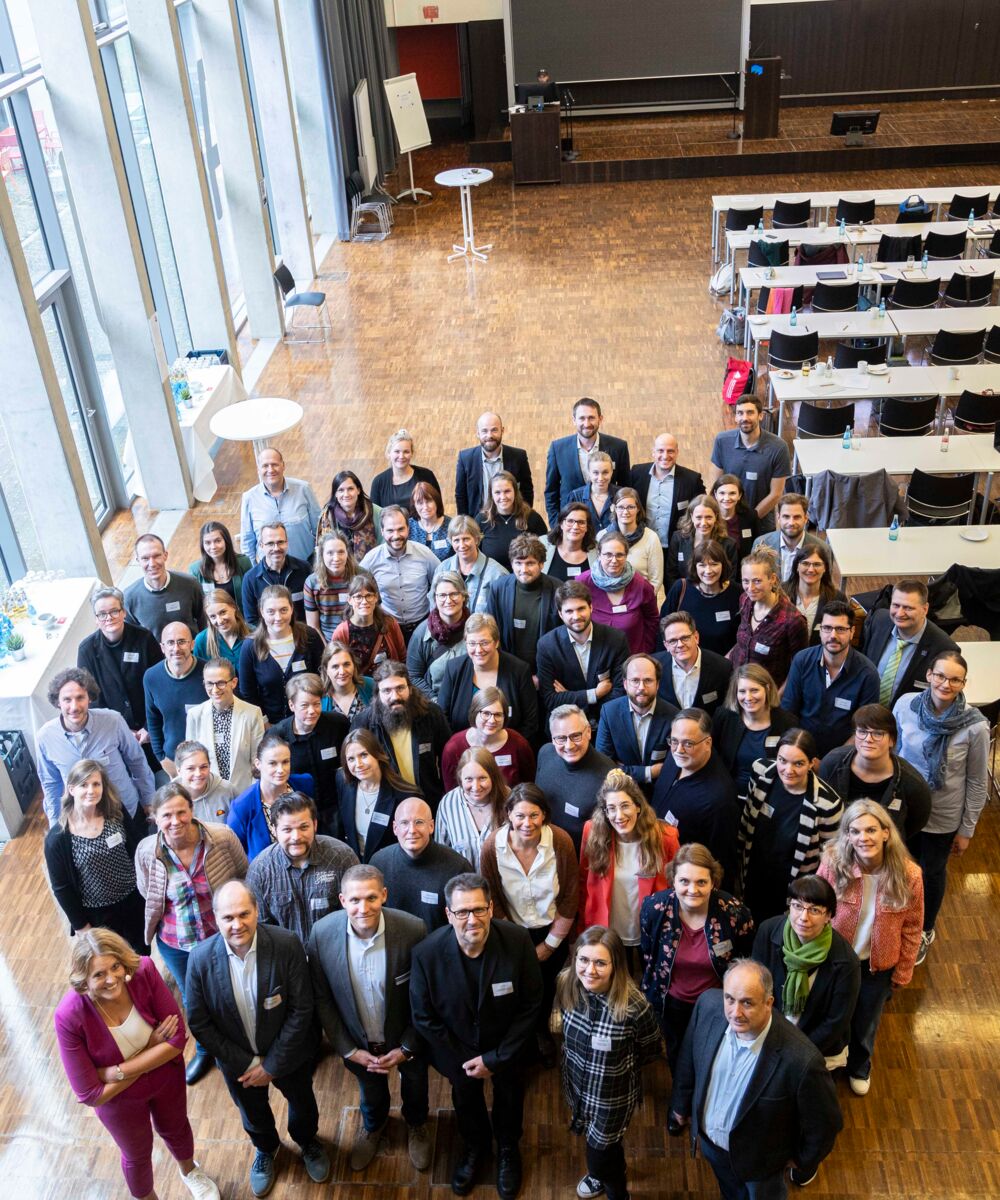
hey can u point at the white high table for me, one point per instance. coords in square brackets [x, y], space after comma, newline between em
[830, 326]
[926, 322]
[257, 420]
[465, 179]
[919, 550]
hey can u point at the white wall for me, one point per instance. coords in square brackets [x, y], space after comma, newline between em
[450, 12]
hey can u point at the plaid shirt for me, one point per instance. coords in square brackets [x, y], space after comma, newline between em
[187, 915]
[775, 641]
[601, 1065]
[296, 897]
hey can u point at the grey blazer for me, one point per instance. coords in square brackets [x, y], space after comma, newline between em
[331, 976]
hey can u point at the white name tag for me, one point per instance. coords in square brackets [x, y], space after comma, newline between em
[602, 675]
[504, 760]
[130, 656]
[115, 839]
[440, 543]
[709, 697]
[842, 702]
[429, 898]
[670, 818]
[682, 504]
[424, 748]
[298, 665]
[272, 1001]
[328, 752]
[724, 949]
[503, 989]
[619, 608]
[745, 532]
[208, 587]
[601, 1041]
[343, 597]
[319, 902]
[172, 606]
[380, 818]
[296, 597]
[896, 804]
[519, 624]
[572, 572]
[658, 755]
[761, 648]
[772, 740]
[572, 810]
[680, 555]
[751, 474]
[723, 617]
[766, 810]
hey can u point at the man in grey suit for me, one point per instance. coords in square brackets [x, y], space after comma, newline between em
[250, 1005]
[755, 1090]
[360, 963]
[791, 533]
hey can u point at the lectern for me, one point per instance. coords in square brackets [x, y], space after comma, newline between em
[534, 145]
[761, 98]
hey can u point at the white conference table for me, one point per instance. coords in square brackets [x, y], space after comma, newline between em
[926, 322]
[919, 550]
[830, 326]
[983, 658]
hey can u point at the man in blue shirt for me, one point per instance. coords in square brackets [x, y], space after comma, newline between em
[83, 732]
[757, 458]
[277, 498]
[276, 566]
[172, 687]
[826, 683]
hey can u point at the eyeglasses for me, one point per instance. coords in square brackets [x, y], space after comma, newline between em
[566, 739]
[217, 685]
[274, 545]
[449, 595]
[416, 823]
[835, 629]
[626, 508]
[613, 554]
[573, 521]
[463, 914]
[813, 910]
[686, 744]
[480, 645]
[109, 614]
[946, 681]
[679, 641]
[179, 644]
[486, 715]
[870, 735]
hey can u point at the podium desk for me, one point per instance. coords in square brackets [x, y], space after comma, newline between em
[535, 147]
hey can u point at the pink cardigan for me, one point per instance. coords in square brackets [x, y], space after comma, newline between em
[86, 1044]
[595, 890]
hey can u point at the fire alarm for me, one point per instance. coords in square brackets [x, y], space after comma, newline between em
[431, 12]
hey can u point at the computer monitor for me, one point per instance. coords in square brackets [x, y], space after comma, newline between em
[525, 93]
[852, 125]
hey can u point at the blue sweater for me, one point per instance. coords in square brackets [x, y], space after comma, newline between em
[167, 703]
[246, 817]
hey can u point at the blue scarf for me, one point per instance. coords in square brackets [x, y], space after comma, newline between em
[940, 728]
[611, 583]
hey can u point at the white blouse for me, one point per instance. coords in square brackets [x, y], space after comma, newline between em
[531, 897]
[132, 1035]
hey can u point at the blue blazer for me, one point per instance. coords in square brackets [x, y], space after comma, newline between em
[616, 738]
[562, 469]
[246, 817]
[469, 498]
[557, 659]
[602, 521]
[500, 606]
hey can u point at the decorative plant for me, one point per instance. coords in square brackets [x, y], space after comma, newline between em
[15, 641]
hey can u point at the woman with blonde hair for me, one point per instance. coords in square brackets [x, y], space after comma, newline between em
[325, 592]
[226, 629]
[623, 852]
[609, 1034]
[880, 911]
[469, 813]
[598, 492]
[484, 665]
[395, 484]
[747, 727]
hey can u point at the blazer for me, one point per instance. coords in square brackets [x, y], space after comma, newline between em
[616, 738]
[713, 681]
[789, 1109]
[86, 1044]
[562, 469]
[284, 1020]
[380, 832]
[596, 891]
[118, 668]
[246, 817]
[558, 660]
[500, 606]
[263, 682]
[728, 732]
[64, 878]
[687, 485]
[244, 565]
[878, 629]
[602, 520]
[499, 1023]
[772, 541]
[247, 730]
[429, 735]
[469, 498]
[513, 679]
[826, 1018]
[678, 555]
[336, 1005]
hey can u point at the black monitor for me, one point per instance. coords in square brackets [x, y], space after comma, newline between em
[852, 125]
[525, 93]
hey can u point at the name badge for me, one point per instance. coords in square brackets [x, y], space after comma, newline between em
[766, 810]
[429, 898]
[504, 760]
[682, 504]
[751, 474]
[572, 572]
[172, 606]
[771, 741]
[298, 665]
[424, 748]
[208, 587]
[272, 1002]
[328, 752]
[619, 608]
[761, 648]
[724, 949]
[380, 818]
[895, 806]
[503, 989]
[602, 675]
[601, 1041]
[510, 711]
[680, 555]
[440, 543]
[115, 839]
[297, 597]
[401, 979]
[842, 702]
[670, 818]
[319, 902]
[519, 624]
[130, 656]
[723, 617]
[572, 810]
[709, 697]
[745, 532]
[343, 597]
[658, 755]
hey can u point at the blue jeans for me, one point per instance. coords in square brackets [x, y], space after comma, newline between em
[875, 991]
[734, 1188]
[177, 964]
[375, 1093]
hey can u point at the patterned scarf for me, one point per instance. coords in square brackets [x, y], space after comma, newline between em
[940, 728]
[611, 583]
[443, 633]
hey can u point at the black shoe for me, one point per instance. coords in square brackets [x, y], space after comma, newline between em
[674, 1127]
[802, 1178]
[464, 1178]
[198, 1067]
[508, 1171]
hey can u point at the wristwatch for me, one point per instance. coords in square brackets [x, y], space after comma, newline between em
[119, 1074]
[407, 1054]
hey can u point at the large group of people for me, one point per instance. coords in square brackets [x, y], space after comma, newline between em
[452, 787]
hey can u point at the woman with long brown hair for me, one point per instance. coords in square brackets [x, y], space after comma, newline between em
[572, 543]
[280, 648]
[226, 631]
[325, 592]
[351, 513]
[506, 514]
[771, 630]
[367, 628]
[428, 521]
[347, 690]
[702, 522]
[220, 566]
[368, 792]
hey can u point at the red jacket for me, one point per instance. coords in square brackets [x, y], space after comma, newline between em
[595, 890]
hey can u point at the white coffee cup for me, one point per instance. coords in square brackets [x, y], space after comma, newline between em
[824, 225]
[953, 372]
[821, 368]
[862, 367]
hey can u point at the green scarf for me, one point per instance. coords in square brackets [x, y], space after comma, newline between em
[801, 958]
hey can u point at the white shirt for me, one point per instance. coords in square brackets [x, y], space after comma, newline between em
[624, 915]
[531, 898]
[787, 555]
[866, 918]
[583, 650]
[366, 960]
[243, 977]
[364, 806]
[686, 682]
[132, 1035]
[584, 454]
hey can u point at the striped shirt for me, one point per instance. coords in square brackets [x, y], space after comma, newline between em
[330, 602]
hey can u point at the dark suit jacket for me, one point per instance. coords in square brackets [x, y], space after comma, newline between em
[716, 671]
[562, 469]
[616, 737]
[329, 965]
[878, 630]
[826, 1018]
[499, 1022]
[500, 606]
[557, 660]
[789, 1109]
[380, 832]
[687, 485]
[118, 669]
[469, 498]
[513, 679]
[428, 737]
[285, 1037]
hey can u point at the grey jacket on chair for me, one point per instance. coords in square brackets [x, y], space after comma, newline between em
[855, 501]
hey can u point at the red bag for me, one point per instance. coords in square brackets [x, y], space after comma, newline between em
[739, 380]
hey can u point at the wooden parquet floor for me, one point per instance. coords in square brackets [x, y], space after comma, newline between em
[599, 291]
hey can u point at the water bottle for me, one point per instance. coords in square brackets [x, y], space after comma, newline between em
[846, 443]
[945, 435]
[894, 530]
[843, 228]
[861, 264]
[972, 220]
[881, 310]
[923, 262]
[760, 226]
[794, 318]
[829, 363]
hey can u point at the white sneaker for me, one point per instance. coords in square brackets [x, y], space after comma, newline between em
[926, 938]
[200, 1186]
[860, 1086]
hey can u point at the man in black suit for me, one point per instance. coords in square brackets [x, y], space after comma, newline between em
[360, 964]
[475, 993]
[477, 466]
[665, 488]
[566, 465]
[634, 730]
[691, 677]
[523, 603]
[902, 642]
[756, 1090]
[250, 1004]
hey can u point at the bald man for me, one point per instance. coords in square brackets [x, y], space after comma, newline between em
[279, 498]
[477, 466]
[417, 868]
[171, 688]
[665, 488]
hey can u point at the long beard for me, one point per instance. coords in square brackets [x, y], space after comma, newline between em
[395, 719]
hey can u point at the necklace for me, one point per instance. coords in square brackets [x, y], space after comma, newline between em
[365, 793]
[109, 1017]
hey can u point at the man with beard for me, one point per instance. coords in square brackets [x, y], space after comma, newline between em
[410, 728]
[477, 466]
[276, 567]
[403, 569]
[523, 604]
[757, 458]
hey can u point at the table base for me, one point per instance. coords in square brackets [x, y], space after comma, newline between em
[468, 246]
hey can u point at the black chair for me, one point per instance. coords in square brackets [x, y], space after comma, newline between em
[789, 351]
[991, 349]
[296, 301]
[757, 258]
[894, 248]
[961, 206]
[940, 499]
[953, 349]
[856, 212]
[945, 245]
[908, 418]
[741, 218]
[791, 214]
[977, 412]
[915, 293]
[993, 250]
[835, 297]
[814, 422]
[968, 291]
[765, 292]
[849, 354]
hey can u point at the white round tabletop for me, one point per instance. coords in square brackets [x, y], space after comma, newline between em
[256, 419]
[464, 176]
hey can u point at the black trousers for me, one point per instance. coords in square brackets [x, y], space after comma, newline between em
[550, 971]
[607, 1163]
[674, 1021]
[127, 917]
[474, 1121]
[255, 1108]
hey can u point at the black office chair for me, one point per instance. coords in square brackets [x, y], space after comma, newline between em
[765, 292]
[908, 418]
[757, 258]
[814, 422]
[968, 291]
[945, 245]
[993, 249]
[296, 301]
[788, 351]
[991, 348]
[791, 214]
[892, 247]
[849, 354]
[835, 297]
[961, 206]
[977, 412]
[940, 499]
[915, 293]
[741, 218]
[953, 349]
[856, 212]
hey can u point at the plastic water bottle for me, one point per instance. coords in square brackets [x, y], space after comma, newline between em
[923, 262]
[861, 264]
[894, 530]
[760, 225]
[794, 318]
[829, 363]
[945, 435]
[971, 221]
[881, 310]
[843, 228]
[846, 443]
